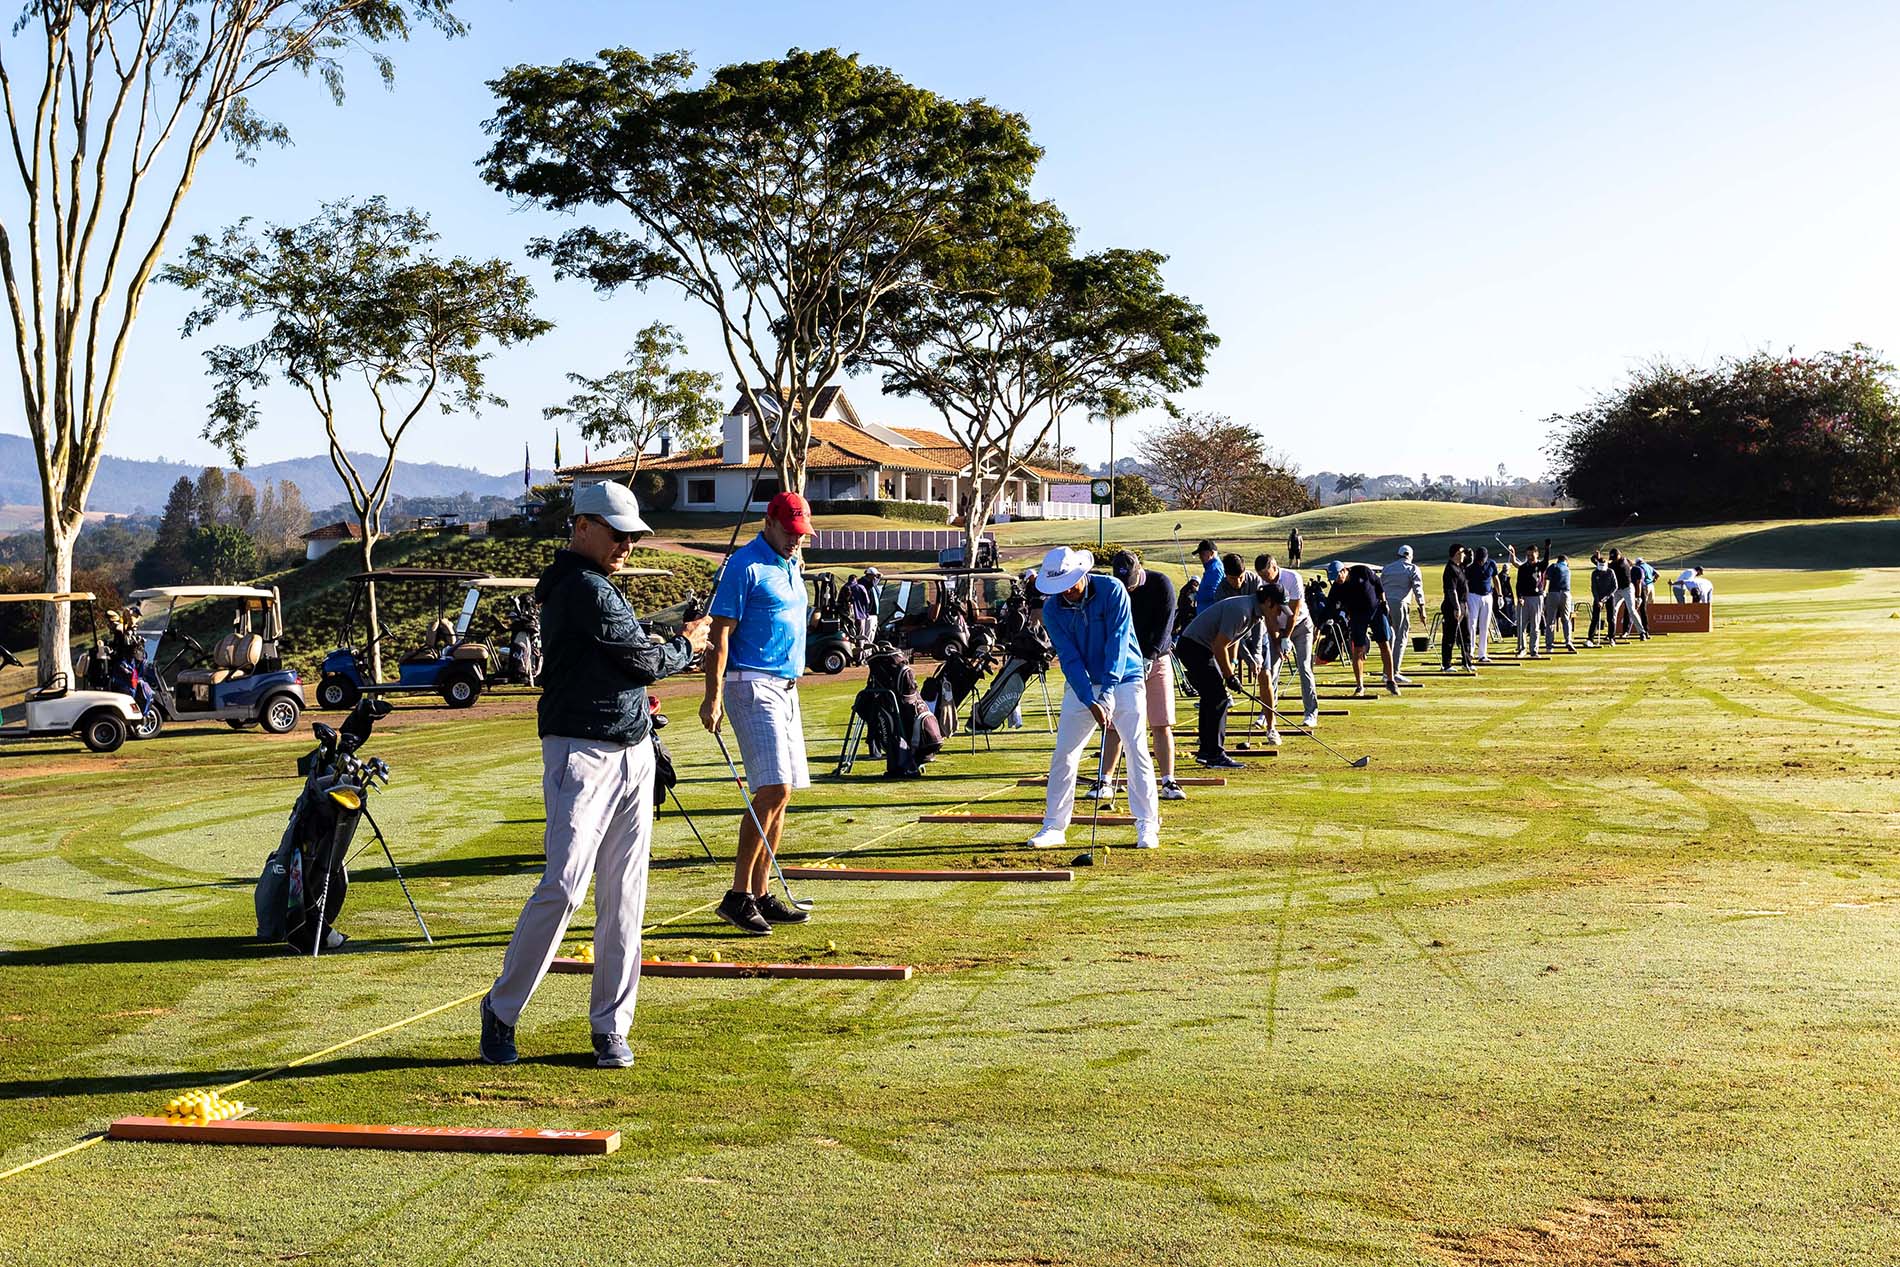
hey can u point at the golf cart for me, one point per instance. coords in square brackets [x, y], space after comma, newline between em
[101, 719]
[912, 618]
[833, 641]
[240, 681]
[515, 657]
[446, 664]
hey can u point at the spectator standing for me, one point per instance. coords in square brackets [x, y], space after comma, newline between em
[1454, 612]
[1402, 580]
[1481, 576]
[1295, 547]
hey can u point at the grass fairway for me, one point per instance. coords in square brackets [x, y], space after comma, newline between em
[1598, 962]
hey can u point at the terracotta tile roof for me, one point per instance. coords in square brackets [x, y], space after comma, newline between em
[339, 531]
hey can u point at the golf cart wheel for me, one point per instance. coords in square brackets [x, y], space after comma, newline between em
[149, 725]
[337, 692]
[280, 714]
[461, 690]
[102, 731]
[833, 661]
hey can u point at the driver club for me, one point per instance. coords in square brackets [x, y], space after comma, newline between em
[802, 903]
[1101, 772]
[1360, 764]
[1182, 551]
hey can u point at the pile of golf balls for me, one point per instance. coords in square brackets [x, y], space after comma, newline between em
[584, 952]
[200, 1107]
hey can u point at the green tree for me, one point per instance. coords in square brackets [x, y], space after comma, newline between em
[168, 561]
[1200, 461]
[651, 397]
[222, 554]
[208, 506]
[351, 298]
[791, 198]
[1014, 331]
[1350, 484]
[111, 109]
[1134, 497]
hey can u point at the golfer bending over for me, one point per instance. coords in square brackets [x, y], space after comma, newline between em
[1207, 648]
[756, 653]
[1402, 580]
[596, 776]
[1092, 628]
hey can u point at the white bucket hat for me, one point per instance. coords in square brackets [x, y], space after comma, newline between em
[613, 502]
[1062, 568]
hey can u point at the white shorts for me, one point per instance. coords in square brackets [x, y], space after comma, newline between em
[1158, 682]
[770, 728]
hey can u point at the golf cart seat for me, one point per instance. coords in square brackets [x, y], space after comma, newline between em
[234, 656]
[476, 651]
[52, 690]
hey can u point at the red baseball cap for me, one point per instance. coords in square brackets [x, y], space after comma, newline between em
[791, 512]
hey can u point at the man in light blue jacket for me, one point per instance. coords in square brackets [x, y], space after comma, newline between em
[1092, 628]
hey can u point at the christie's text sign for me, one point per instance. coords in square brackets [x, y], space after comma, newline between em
[1679, 617]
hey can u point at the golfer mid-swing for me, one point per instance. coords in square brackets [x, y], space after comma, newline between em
[596, 776]
[1092, 628]
[753, 663]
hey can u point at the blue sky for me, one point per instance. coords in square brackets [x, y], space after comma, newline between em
[1417, 229]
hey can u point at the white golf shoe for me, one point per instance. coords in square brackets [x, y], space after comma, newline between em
[1310, 721]
[1047, 838]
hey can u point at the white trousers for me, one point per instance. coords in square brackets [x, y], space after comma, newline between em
[1480, 626]
[1128, 714]
[599, 799]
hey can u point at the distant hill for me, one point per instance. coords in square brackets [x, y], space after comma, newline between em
[127, 486]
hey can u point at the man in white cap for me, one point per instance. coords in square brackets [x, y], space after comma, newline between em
[596, 776]
[1402, 580]
[1091, 625]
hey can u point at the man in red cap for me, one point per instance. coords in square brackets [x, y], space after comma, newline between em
[753, 660]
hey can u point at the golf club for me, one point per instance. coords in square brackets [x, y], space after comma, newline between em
[690, 823]
[1101, 772]
[1182, 551]
[1264, 707]
[803, 904]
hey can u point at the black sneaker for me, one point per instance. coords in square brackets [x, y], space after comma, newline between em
[1219, 761]
[742, 912]
[777, 912]
[498, 1040]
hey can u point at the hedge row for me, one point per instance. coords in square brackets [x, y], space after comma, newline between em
[915, 512]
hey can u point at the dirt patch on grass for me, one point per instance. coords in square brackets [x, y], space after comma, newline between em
[1595, 1232]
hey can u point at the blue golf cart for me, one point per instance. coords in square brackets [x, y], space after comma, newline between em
[239, 680]
[446, 663]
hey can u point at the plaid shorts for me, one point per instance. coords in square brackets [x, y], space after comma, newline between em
[770, 728]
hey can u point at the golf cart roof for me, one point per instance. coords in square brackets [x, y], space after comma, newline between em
[505, 582]
[643, 572]
[421, 574]
[199, 591]
[74, 597]
[950, 574]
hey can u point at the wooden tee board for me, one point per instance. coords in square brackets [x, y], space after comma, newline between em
[445, 1139]
[752, 971]
[1106, 820]
[1188, 782]
[950, 876]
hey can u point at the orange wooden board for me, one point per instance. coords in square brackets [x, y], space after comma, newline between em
[893, 873]
[742, 971]
[1106, 820]
[448, 1139]
[1044, 782]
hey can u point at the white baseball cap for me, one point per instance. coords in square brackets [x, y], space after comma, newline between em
[612, 502]
[1062, 568]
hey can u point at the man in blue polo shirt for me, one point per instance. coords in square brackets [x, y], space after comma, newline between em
[753, 659]
[1092, 628]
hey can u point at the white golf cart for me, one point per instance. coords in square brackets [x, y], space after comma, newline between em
[240, 680]
[101, 719]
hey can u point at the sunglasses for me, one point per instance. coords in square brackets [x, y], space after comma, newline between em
[620, 538]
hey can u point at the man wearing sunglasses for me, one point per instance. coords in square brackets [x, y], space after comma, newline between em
[596, 775]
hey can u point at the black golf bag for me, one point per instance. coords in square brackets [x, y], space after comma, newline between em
[1504, 613]
[956, 680]
[895, 721]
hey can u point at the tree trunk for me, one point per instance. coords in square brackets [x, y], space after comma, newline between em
[369, 609]
[56, 648]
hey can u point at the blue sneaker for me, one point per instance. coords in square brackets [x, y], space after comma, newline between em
[498, 1040]
[611, 1052]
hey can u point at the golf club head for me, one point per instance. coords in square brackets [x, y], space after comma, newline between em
[1083, 859]
[1362, 763]
[326, 735]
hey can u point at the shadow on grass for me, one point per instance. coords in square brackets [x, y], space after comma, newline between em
[191, 1079]
[217, 949]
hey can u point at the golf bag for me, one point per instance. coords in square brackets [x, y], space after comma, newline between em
[315, 844]
[1504, 615]
[896, 722]
[521, 658]
[1027, 654]
[956, 680]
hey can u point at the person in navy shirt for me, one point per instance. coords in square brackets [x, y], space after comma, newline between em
[1091, 625]
[753, 660]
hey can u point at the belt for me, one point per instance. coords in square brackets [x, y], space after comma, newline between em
[753, 675]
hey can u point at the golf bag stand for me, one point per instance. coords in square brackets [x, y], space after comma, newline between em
[384, 842]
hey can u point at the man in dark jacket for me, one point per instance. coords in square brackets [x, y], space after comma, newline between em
[1454, 614]
[596, 776]
[1359, 592]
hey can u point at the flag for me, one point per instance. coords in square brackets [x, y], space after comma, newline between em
[557, 450]
[526, 480]
[586, 455]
